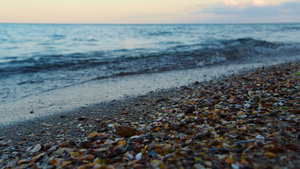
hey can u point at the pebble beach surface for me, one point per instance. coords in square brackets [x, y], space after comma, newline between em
[247, 120]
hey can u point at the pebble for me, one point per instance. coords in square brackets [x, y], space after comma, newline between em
[256, 98]
[37, 148]
[65, 144]
[82, 118]
[190, 110]
[23, 161]
[138, 156]
[84, 144]
[207, 163]
[87, 157]
[125, 130]
[152, 153]
[120, 150]
[44, 124]
[198, 166]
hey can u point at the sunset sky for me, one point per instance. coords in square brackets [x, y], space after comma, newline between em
[149, 11]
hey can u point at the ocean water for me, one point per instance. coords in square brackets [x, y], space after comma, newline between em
[48, 68]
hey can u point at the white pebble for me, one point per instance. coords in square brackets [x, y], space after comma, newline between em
[110, 125]
[235, 166]
[260, 137]
[138, 156]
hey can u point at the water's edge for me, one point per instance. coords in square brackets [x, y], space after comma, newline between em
[105, 90]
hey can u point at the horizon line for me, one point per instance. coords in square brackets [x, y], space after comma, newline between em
[53, 23]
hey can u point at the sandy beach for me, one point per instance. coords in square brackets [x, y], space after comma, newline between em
[246, 120]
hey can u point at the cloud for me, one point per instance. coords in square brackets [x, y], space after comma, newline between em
[254, 8]
[242, 4]
[258, 3]
[230, 2]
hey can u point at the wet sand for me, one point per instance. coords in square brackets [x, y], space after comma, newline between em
[247, 120]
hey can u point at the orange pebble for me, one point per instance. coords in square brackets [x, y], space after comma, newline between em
[53, 161]
[211, 116]
[270, 155]
[158, 151]
[229, 160]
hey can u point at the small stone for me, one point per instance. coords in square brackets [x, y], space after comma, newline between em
[60, 151]
[215, 142]
[155, 163]
[125, 113]
[85, 144]
[23, 161]
[180, 115]
[173, 127]
[259, 121]
[126, 131]
[269, 147]
[130, 156]
[38, 157]
[138, 166]
[200, 135]
[242, 116]
[111, 125]
[260, 137]
[256, 98]
[117, 159]
[93, 134]
[198, 166]
[65, 144]
[87, 157]
[223, 116]
[50, 150]
[235, 166]
[229, 160]
[190, 110]
[138, 156]
[120, 150]
[44, 124]
[152, 153]
[207, 163]
[82, 118]
[37, 148]
[31, 112]
[158, 151]
[270, 155]
[167, 149]
[224, 122]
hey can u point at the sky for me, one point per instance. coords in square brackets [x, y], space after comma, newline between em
[149, 11]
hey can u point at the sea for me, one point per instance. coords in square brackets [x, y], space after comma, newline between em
[52, 68]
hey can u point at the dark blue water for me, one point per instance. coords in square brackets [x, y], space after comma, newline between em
[31, 48]
[38, 58]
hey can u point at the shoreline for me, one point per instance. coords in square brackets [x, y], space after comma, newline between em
[94, 92]
[189, 111]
